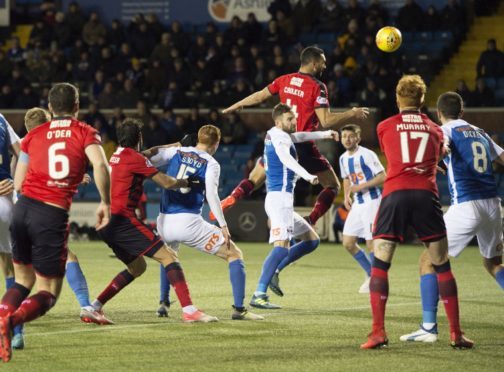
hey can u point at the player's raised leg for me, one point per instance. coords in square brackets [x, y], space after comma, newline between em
[326, 197]
[256, 179]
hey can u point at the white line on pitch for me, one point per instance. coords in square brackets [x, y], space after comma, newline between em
[119, 327]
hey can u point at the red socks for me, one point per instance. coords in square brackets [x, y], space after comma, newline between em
[177, 280]
[116, 285]
[323, 203]
[448, 293]
[378, 290]
[244, 188]
[33, 307]
[13, 298]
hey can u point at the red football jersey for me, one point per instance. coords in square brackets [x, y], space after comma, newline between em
[412, 144]
[57, 159]
[129, 168]
[303, 93]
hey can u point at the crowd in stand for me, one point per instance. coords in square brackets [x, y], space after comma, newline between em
[145, 64]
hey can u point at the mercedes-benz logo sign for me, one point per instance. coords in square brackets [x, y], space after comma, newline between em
[247, 221]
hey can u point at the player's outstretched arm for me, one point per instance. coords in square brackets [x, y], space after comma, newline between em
[149, 153]
[378, 180]
[314, 136]
[101, 172]
[330, 119]
[282, 150]
[252, 100]
[168, 182]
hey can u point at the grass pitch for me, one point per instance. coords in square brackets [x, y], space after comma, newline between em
[320, 328]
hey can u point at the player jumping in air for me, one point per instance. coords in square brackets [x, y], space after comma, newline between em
[130, 238]
[413, 146]
[475, 206]
[282, 172]
[362, 173]
[51, 165]
[307, 96]
[180, 219]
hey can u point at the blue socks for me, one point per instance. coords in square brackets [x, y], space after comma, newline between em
[270, 265]
[500, 277]
[237, 277]
[9, 282]
[78, 283]
[297, 251]
[164, 295]
[363, 261]
[430, 296]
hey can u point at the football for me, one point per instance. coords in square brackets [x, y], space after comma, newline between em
[388, 39]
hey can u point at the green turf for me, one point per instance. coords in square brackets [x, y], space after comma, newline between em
[323, 322]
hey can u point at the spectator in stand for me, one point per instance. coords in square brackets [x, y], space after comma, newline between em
[181, 40]
[143, 112]
[352, 33]
[44, 98]
[83, 69]
[154, 26]
[142, 41]
[305, 15]
[280, 5]
[162, 50]
[27, 99]
[464, 92]
[273, 36]
[93, 115]
[40, 33]
[75, 19]
[410, 16]
[198, 50]
[491, 62]
[232, 130]
[114, 121]
[259, 73]
[375, 9]
[453, 18]
[239, 91]
[234, 31]
[201, 78]
[124, 58]
[432, 19]
[107, 61]
[344, 87]
[93, 29]
[156, 80]
[372, 96]
[171, 97]
[195, 121]
[6, 66]
[128, 96]
[116, 35]
[15, 52]
[252, 29]
[7, 97]
[74, 52]
[180, 74]
[98, 84]
[136, 73]
[482, 96]
[286, 25]
[167, 122]
[332, 17]
[217, 97]
[17, 82]
[62, 31]
[153, 134]
[108, 144]
[355, 11]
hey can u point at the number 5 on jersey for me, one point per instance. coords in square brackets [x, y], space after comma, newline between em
[184, 172]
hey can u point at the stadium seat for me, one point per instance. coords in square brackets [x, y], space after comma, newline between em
[326, 37]
[308, 38]
[491, 83]
[424, 36]
[446, 36]
[500, 83]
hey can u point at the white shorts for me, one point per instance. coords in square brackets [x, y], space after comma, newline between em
[189, 229]
[360, 219]
[285, 223]
[482, 218]
[6, 204]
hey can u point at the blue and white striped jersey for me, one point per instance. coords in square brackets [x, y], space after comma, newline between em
[469, 163]
[7, 138]
[278, 176]
[183, 162]
[362, 166]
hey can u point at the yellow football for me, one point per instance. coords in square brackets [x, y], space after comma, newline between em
[388, 39]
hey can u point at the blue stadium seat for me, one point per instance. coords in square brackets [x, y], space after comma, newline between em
[308, 38]
[424, 36]
[326, 37]
[446, 36]
[500, 83]
[408, 37]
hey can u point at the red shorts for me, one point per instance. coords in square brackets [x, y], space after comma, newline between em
[130, 238]
[419, 209]
[310, 158]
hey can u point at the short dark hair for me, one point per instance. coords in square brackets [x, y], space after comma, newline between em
[279, 110]
[63, 97]
[450, 105]
[352, 128]
[129, 132]
[310, 54]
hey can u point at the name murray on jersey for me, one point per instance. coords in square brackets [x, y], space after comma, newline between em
[412, 122]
